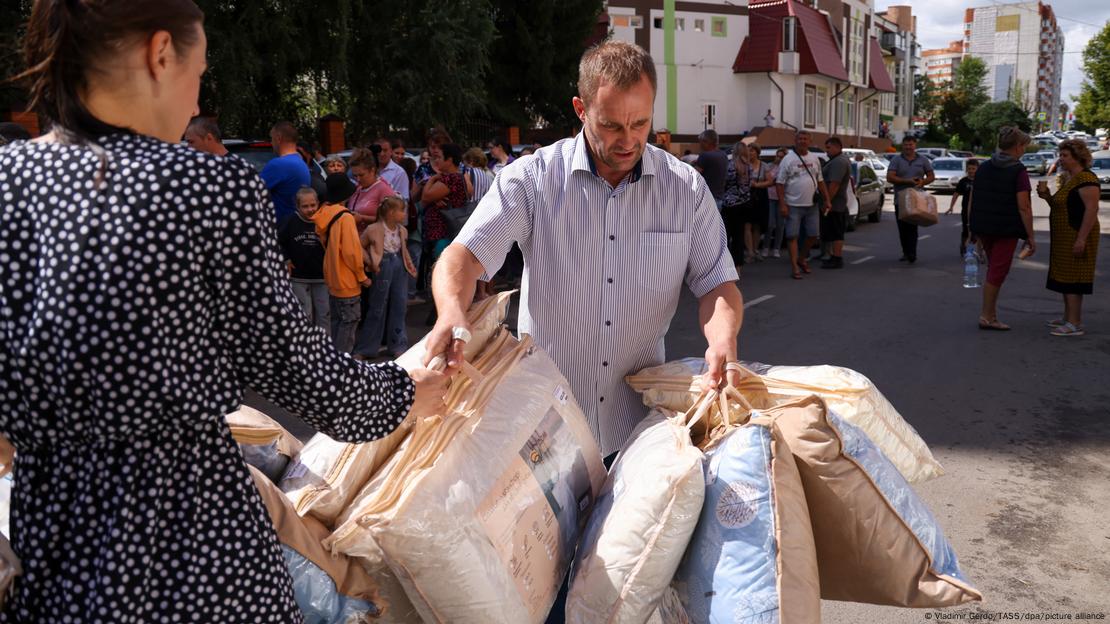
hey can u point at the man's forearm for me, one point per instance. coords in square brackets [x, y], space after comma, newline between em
[1025, 208]
[454, 280]
[721, 312]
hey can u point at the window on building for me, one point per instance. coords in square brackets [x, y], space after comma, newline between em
[621, 21]
[699, 25]
[789, 34]
[680, 23]
[637, 21]
[720, 27]
[810, 112]
[657, 22]
[709, 116]
[822, 106]
[850, 110]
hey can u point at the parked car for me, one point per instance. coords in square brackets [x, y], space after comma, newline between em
[257, 153]
[767, 154]
[961, 154]
[948, 172]
[870, 192]
[932, 152]
[1035, 163]
[1100, 166]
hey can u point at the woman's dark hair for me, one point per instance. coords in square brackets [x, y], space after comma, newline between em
[409, 165]
[504, 145]
[66, 38]
[452, 151]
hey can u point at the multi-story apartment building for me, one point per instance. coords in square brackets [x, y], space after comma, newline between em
[896, 31]
[693, 45]
[941, 63]
[1023, 48]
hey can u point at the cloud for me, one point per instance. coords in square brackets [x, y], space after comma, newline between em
[942, 21]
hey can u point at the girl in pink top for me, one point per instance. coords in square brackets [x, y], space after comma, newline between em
[371, 189]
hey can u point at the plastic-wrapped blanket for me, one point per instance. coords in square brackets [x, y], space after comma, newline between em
[752, 556]
[327, 474]
[640, 526]
[478, 512]
[917, 207]
[265, 444]
[876, 540]
[676, 385]
[329, 589]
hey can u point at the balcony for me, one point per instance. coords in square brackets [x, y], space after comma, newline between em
[889, 41]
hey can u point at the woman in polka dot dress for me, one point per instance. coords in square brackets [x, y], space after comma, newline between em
[141, 289]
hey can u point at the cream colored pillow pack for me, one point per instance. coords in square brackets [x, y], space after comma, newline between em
[264, 443]
[676, 385]
[640, 526]
[478, 512]
[877, 542]
[327, 474]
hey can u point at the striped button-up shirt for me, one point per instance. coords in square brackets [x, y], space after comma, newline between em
[604, 266]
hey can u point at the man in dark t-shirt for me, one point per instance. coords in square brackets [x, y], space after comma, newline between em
[712, 163]
[963, 190]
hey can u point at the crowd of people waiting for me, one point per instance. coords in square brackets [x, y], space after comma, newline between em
[361, 235]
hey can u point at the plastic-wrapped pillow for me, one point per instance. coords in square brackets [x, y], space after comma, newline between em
[265, 444]
[329, 589]
[877, 542]
[676, 385]
[640, 526]
[327, 475]
[479, 513]
[751, 559]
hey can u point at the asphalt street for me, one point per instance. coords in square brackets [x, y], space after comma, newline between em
[1020, 420]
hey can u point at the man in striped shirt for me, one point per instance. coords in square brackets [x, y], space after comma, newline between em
[610, 228]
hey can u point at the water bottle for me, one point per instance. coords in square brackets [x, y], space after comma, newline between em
[971, 270]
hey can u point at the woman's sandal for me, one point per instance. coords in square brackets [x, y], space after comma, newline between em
[795, 274]
[1068, 329]
[805, 266]
[994, 325]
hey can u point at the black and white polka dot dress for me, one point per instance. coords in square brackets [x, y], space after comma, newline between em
[132, 315]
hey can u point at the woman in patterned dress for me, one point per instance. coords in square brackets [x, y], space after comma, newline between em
[141, 290]
[1075, 234]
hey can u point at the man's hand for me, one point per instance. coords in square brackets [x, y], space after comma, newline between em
[366, 283]
[716, 359]
[440, 342]
[431, 391]
[1079, 248]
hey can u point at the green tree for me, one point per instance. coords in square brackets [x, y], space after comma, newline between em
[985, 121]
[925, 96]
[968, 92]
[541, 40]
[1092, 107]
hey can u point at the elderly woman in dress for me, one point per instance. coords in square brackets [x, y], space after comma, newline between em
[1075, 233]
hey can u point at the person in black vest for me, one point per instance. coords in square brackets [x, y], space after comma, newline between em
[1001, 215]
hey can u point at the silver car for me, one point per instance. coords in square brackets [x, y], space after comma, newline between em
[948, 171]
[1100, 166]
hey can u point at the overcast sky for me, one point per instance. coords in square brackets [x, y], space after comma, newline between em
[942, 21]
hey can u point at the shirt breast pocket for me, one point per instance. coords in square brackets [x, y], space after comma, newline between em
[663, 257]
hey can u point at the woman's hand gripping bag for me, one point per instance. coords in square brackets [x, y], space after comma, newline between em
[877, 542]
[327, 474]
[481, 525]
[752, 557]
[640, 526]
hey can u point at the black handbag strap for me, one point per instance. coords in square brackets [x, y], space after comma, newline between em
[806, 167]
[327, 230]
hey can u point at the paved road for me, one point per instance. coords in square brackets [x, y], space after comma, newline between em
[1020, 420]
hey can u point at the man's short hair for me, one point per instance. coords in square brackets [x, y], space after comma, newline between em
[617, 63]
[1010, 137]
[201, 126]
[285, 131]
[802, 133]
[709, 136]
[910, 137]
[835, 140]
[972, 162]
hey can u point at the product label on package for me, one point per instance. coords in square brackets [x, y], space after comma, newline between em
[535, 510]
